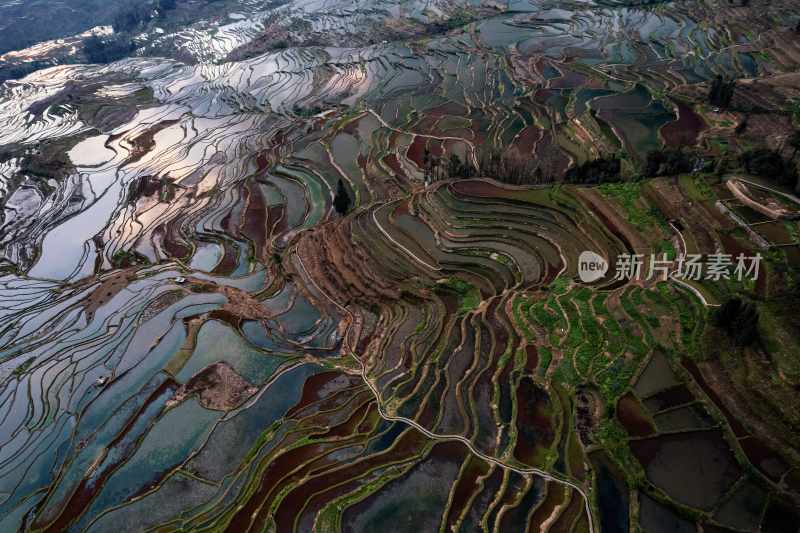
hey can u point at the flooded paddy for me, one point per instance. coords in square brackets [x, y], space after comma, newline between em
[671, 461]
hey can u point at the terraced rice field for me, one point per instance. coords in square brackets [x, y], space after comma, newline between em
[193, 339]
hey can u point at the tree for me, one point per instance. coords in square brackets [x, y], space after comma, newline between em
[506, 168]
[715, 90]
[794, 142]
[453, 165]
[341, 202]
[595, 171]
[739, 319]
[721, 92]
[101, 51]
[458, 169]
[668, 162]
[726, 313]
[769, 164]
[434, 168]
[727, 93]
[426, 163]
[721, 166]
[741, 127]
[132, 18]
[744, 328]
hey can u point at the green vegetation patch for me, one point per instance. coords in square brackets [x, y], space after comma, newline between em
[469, 295]
[605, 347]
[22, 368]
[778, 333]
[629, 196]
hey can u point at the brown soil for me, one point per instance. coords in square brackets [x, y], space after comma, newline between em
[218, 387]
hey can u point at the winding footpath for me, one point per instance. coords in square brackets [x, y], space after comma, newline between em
[397, 244]
[694, 290]
[442, 437]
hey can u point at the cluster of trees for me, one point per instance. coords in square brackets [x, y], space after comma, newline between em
[15, 72]
[307, 112]
[456, 167]
[132, 18]
[341, 201]
[764, 162]
[721, 92]
[107, 50]
[770, 164]
[509, 168]
[793, 142]
[137, 15]
[436, 168]
[516, 170]
[669, 162]
[121, 45]
[739, 319]
[126, 258]
[603, 170]
[146, 186]
[458, 19]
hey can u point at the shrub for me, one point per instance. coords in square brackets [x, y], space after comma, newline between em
[341, 202]
[597, 171]
[132, 18]
[668, 163]
[769, 164]
[99, 50]
[739, 319]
